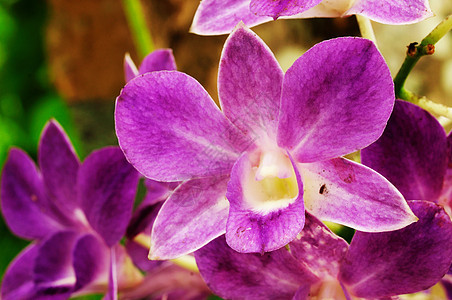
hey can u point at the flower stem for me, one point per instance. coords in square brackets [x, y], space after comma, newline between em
[137, 24]
[414, 53]
[365, 27]
[187, 262]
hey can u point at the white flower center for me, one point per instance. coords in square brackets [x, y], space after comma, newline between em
[272, 184]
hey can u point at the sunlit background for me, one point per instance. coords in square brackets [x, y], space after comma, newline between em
[63, 59]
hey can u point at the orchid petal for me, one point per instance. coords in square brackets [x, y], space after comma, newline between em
[90, 261]
[392, 11]
[249, 84]
[25, 205]
[107, 185]
[53, 271]
[256, 224]
[233, 275]
[143, 219]
[130, 69]
[403, 261]
[351, 194]
[171, 130]
[411, 153]
[278, 8]
[139, 256]
[158, 60]
[319, 249]
[59, 166]
[203, 200]
[336, 99]
[18, 282]
[221, 16]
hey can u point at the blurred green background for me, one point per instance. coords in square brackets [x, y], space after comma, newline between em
[63, 59]
[27, 98]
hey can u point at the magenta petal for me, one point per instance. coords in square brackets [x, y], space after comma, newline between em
[411, 153]
[193, 215]
[319, 249]
[158, 60]
[392, 11]
[351, 194]
[233, 275]
[221, 16]
[25, 205]
[278, 8]
[139, 256]
[171, 130]
[90, 260]
[18, 282]
[53, 270]
[252, 228]
[59, 166]
[336, 99]
[107, 185]
[249, 84]
[403, 261]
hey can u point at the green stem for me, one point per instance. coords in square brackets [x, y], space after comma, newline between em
[365, 27]
[414, 53]
[137, 24]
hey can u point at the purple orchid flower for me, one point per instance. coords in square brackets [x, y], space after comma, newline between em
[221, 16]
[74, 213]
[414, 153]
[320, 265]
[273, 150]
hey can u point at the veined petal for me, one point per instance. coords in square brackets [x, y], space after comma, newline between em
[392, 11]
[193, 215]
[320, 250]
[278, 8]
[59, 166]
[25, 205]
[264, 214]
[351, 194]
[158, 60]
[107, 185]
[221, 16]
[233, 275]
[411, 153]
[171, 130]
[336, 98]
[18, 282]
[139, 256]
[249, 84]
[91, 263]
[53, 270]
[327, 9]
[399, 262]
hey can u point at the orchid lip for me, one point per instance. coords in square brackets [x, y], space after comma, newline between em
[272, 183]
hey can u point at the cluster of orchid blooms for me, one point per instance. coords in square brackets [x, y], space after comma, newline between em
[244, 190]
